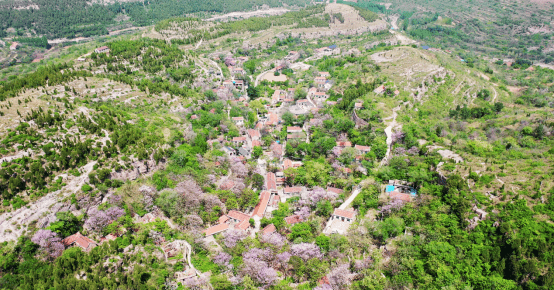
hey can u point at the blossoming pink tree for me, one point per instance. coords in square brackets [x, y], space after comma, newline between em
[49, 243]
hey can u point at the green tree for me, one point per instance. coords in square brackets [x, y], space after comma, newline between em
[323, 242]
[66, 225]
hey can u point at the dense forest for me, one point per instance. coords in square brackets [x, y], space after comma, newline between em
[62, 18]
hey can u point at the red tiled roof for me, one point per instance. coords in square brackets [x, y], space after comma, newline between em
[400, 196]
[239, 139]
[194, 117]
[79, 240]
[259, 210]
[273, 119]
[344, 213]
[237, 215]
[344, 143]
[216, 229]
[275, 200]
[238, 118]
[358, 105]
[102, 48]
[256, 143]
[287, 164]
[362, 148]
[268, 229]
[293, 129]
[335, 190]
[293, 189]
[253, 133]
[271, 184]
[244, 225]
[223, 219]
[294, 219]
[277, 148]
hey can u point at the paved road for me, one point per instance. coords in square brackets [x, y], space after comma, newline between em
[347, 203]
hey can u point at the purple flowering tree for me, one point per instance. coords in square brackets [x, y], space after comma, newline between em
[229, 61]
[337, 151]
[223, 259]
[258, 269]
[257, 253]
[318, 194]
[238, 168]
[274, 239]
[363, 264]
[306, 251]
[391, 207]
[304, 212]
[339, 278]
[413, 151]
[282, 260]
[232, 237]
[196, 283]
[98, 219]
[49, 243]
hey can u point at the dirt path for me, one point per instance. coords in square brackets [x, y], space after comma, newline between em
[495, 95]
[199, 44]
[393, 19]
[388, 132]
[217, 66]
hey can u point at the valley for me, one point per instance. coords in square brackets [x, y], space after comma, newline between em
[325, 146]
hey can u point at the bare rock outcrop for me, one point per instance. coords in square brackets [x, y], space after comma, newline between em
[138, 168]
